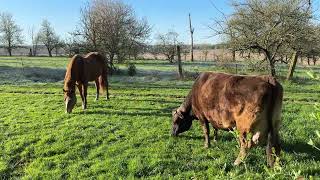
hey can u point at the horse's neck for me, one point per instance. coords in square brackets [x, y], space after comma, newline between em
[71, 76]
[69, 84]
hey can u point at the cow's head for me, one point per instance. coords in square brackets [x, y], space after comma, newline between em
[181, 121]
[70, 99]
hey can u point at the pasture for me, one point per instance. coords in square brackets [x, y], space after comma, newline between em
[129, 136]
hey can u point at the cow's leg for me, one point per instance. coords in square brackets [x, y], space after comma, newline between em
[85, 88]
[97, 88]
[273, 147]
[81, 92]
[215, 134]
[243, 149]
[206, 132]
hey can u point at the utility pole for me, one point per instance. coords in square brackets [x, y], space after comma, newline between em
[191, 34]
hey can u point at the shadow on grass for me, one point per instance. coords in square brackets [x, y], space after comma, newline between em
[302, 150]
[34, 74]
[222, 137]
[120, 113]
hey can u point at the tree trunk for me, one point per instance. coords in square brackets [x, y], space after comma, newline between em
[233, 55]
[294, 60]
[271, 63]
[10, 51]
[272, 69]
[49, 52]
[179, 63]
[111, 60]
[191, 34]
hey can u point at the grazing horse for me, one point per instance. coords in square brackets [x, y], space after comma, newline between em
[80, 71]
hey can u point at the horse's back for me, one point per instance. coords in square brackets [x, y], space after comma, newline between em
[94, 65]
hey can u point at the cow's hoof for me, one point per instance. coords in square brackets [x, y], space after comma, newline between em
[237, 162]
[207, 146]
[271, 164]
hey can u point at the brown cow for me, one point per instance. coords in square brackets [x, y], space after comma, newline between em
[80, 71]
[251, 104]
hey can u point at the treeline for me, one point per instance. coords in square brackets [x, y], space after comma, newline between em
[279, 30]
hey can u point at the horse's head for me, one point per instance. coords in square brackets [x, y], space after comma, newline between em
[70, 99]
[181, 121]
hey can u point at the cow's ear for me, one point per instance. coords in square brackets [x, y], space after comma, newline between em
[179, 113]
[174, 111]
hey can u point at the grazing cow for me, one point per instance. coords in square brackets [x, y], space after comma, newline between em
[80, 71]
[251, 104]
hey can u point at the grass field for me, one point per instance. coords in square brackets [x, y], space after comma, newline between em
[128, 136]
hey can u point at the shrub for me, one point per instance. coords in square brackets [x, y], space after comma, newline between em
[132, 69]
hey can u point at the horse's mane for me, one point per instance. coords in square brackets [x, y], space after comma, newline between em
[69, 79]
[91, 54]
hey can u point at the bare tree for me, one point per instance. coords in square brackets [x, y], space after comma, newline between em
[265, 25]
[73, 45]
[205, 54]
[303, 40]
[47, 36]
[111, 27]
[10, 33]
[191, 35]
[34, 41]
[167, 44]
[58, 45]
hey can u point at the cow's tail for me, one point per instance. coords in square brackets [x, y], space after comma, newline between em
[274, 120]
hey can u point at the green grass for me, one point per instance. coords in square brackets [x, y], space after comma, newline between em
[129, 136]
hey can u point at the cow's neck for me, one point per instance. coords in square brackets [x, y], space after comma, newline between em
[187, 104]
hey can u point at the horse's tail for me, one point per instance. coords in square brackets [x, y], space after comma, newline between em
[103, 81]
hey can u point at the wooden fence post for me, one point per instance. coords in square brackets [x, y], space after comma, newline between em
[179, 62]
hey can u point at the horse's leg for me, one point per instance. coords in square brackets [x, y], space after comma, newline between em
[106, 84]
[107, 87]
[81, 93]
[85, 88]
[97, 88]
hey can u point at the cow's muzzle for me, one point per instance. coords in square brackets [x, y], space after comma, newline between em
[174, 131]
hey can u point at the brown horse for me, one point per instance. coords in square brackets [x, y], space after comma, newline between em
[80, 71]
